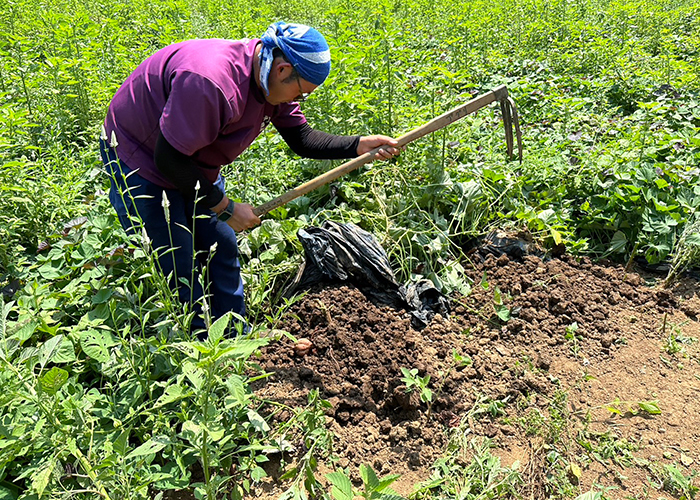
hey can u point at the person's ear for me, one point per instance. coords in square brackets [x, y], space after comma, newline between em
[283, 69]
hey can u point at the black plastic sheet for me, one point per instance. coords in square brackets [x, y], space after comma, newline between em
[515, 246]
[344, 253]
[664, 267]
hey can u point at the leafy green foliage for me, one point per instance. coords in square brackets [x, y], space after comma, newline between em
[572, 338]
[482, 478]
[678, 484]
[414, 382]
[104, 390]
[608, 447]
[502, 311]
[618, 407]
[373, 487]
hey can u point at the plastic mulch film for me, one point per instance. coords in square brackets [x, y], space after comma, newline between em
[344, 253]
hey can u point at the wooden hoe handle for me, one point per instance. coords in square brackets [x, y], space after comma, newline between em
[498, 94]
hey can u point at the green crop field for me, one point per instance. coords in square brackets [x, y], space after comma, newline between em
[104, 396]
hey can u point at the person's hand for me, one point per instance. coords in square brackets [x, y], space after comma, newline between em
[243, 217]
[369, 142]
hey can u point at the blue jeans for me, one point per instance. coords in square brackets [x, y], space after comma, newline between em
[133, 196]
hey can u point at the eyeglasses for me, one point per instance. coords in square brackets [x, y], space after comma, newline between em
[302, 95]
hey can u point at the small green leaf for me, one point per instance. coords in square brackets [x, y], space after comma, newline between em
[172, 478]
[171, 394]
[153, 445]
[121, 444]
[65, 353]
[342, 487]
[693, 239]
[52, 381]
[618, 244]
[291, 473]
[8, 494]
[257, 421]
[661, 183]
[556, 236]
[215, 430]
[194, 374]
[497, 296]
[651, 407]
[48, 348]
[503, 312]
[243, 348]
[40, 479]
[369, 478]
[591, 495]
[613, 410]
[390, 495]
[102, 296]
[217, 330]
[257, 474]
[484, 282]
[27, 330]
[386, 481]
[237, 388]
[96, 344]
[53, 270]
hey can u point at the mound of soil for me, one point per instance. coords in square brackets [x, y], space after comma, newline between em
[591, 331]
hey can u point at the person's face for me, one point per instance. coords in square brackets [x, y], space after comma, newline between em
[284, 87]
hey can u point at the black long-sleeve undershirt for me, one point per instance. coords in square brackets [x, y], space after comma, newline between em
[310, 143]
[183, 172]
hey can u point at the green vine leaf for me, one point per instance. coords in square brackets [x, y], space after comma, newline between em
[52, 381]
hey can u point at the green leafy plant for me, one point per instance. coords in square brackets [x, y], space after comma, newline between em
[373, 488]
[607, 446]
[483, 477]
[502, 311]
[687, 249]
[676, 483]
[318, 444]
[105, 395]
[494, 408]
[618, 407]
[414, 382]
[675, 341]
[572, 338]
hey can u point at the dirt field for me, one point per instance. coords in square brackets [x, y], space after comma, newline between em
[579, 369]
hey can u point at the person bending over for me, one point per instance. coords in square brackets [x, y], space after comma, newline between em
[193, 107]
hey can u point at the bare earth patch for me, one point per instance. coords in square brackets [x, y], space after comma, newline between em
[579, 369]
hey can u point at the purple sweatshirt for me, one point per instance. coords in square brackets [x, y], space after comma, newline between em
[203, 96]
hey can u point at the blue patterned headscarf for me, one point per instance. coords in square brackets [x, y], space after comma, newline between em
[303, 46]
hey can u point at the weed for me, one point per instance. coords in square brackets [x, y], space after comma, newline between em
[687, 249]
[458, 361]
[318, 444]
[373, 488]
[678, 484]
[414, 382]
[675, 341]
[572, 339]
[480, 477]
[618, 407]
[494, 408]
[607, 446]
[533, 422]
[502, 311]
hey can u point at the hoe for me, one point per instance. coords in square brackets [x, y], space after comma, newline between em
[500, 94]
